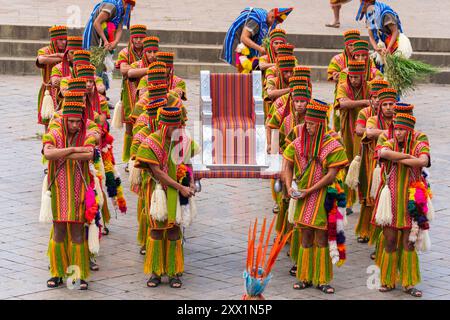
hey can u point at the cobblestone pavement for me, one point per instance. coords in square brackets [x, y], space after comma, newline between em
[309, 16]
[215, 244]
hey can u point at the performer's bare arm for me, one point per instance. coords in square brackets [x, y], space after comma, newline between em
[246, 39]
[346, 103]
[360, 129]
[102, 17]
[53, 153]
[373, 42]
[276, 93]
[83, 156]
[55, 81]
[50, 58]
[136, 73]
[164, 178]
[288, 174]
[414, 162]
[124, 68]
[395, 156]
[395, 33]
[265, 65]
[373, 133]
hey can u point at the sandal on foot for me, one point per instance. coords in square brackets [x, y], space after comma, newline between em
[54, 282]
[93, 266]
[302, 285]
[175, 283]
[293, 271]
[105, 231]
[154, 281]
[326, 288]
[362, 240]
[416, 293]
[385, 289]
[83, 285]
[333, 25]
[373, 255]
[143, 251]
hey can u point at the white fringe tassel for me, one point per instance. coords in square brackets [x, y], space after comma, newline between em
[178, 216]
[291, 210]
[93, 240]
[48, 108]
[376, 180]
[134, 177]
[45, 214]
[352, 178]
[423, 243]
[117, 120]
[414, 232]
[158, 205]
[383, 216]
[431, 213]
[404, 46]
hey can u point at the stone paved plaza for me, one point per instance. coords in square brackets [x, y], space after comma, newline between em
[215, 243]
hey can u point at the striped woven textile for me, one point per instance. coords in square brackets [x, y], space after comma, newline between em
[232, 115]
[228, 174]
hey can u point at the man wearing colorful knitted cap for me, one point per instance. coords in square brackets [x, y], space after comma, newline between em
[47, 58]
[68, 147]
[360, 52]
[140, 180]
[82, 58]
[276, 38]
[167, 160]
[93, 98]
[106, 22]
[403, 206]
[285, 49]
[339, 63]
[127, 56]
[313, 159]
[176, 84]
[367, 165]
[138, 69]
[65, 68]
[352, 96]
[249, 29]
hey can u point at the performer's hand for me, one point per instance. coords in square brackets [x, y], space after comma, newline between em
[186, 192]
[304, 192]
[262, 50]
[113, 44]
[290, 193]
[336, 76]
[269, 149]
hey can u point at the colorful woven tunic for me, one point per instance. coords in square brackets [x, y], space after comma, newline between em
[68, 189]
[310, 211]
[177, 86]
[399, 177]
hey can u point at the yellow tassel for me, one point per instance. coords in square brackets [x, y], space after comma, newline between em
[45, 214]
[158, 205]
[48, 108]
[383, 216]
[352, 178]
[93, 240]
[376, 180]
[117, 120]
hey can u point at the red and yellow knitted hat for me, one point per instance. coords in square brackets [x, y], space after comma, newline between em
[404, 108]
[286, 63]
[404, 121]
[75, 96]
[302, 93]
[302, 71]
[77, 85]
[151, 44]
[316, 111]
[166, 57]
[351, 36]
[153, 106]
[74, 43]
[156, 73]
[360, 47]
[58, 32]
[157, 91]
[86, 72]
[277, 34]
[376, 85]
[387, 94]
[73, 109]
[138, 31]
[298, 81]
[82, 57]
[169, 116]
[285, 49]
[356, 68]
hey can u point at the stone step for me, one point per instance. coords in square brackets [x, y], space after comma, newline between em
[183, 68]
[210, 53]
[216, 38]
